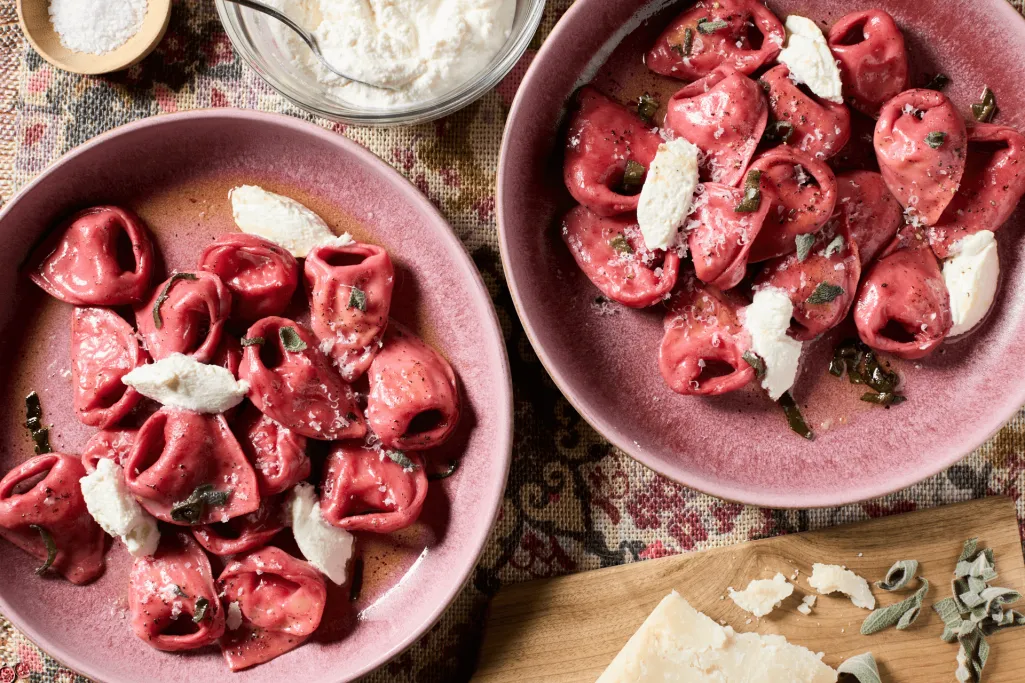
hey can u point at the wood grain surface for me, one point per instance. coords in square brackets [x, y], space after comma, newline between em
[568, 629]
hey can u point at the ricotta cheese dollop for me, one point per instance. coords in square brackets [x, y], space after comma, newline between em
[117, 512]
[667, 194]
[762, 595]
[971, 276]
[809, 59]
[326, 547]
[180, 381]
[281, 220]
[767, 320]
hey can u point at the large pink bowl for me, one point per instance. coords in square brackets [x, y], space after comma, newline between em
[738, 446]
[175, 171]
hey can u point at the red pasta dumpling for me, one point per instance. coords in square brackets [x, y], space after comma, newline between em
[187, 468]
[869, 51]
[281, 600]
[260, 275]
[293, 382]
[604, 142]
[992, 185]
[245, 533]
[815, 126]
[612, 253]
[724, 115]
[920, 142]
[185, 315]
[702, 352]
[172, 597]
[375, 490]
[41, 500]
[350, 296]
[104, 349]
[720, 236]
[278, 454]
[903, 306]
[112, 444]
[414, 399]
[822, 285]
[229, 354]
[101, 257]
[802, 194]
[871, 214]
[742, 34]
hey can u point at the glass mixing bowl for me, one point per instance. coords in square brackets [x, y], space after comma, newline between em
[251, 36]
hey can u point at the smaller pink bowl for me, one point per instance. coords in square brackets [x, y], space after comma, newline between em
[175, 171]
[738, 446]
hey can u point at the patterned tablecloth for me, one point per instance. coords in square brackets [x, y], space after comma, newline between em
[573, 502]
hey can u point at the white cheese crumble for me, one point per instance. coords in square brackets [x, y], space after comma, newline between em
[281, 220]
[667, 194]
[767, 320]
[116, 511]
[180, 381]
[807, 602]
[808, 57]
[326, 547]
[762, 595]
[234, 617]
[830, 578]
[971, 276]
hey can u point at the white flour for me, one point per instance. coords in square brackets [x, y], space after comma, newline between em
[425, 48]
[96, 26]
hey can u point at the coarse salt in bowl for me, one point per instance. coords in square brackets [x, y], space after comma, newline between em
[274, 54]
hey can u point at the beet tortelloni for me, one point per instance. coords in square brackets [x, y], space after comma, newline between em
[186, 315]
[869, 51]
[815, 126]
[260, 275]
[104, 348]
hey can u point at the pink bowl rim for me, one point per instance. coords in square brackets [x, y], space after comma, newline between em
[968, 441]
[422, 205]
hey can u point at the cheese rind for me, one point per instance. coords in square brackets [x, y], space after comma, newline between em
[762, 595]
[280, 219]
[832, 578]
[667, 194]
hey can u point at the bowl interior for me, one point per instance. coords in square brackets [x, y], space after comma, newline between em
[738, 446]
[175, 171]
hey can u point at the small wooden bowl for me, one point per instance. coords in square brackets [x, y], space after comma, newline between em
[34, 17]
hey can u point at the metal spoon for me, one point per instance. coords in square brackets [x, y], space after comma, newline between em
[307, 37]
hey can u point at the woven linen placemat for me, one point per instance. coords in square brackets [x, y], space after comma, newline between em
[573, 502]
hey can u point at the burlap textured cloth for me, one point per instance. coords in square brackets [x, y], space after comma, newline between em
[573, 502]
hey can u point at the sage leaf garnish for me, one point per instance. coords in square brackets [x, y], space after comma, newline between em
[935, 139]
[190, 510]
[51, 548]
[401, 459]
[357, 299]
[901, 614]
[937, 82]
[804, 244]
[646, 107]
[883, 398]
[794, 417]
[752, 193]
[253, 341]
[158, 321]
[688, 41]
[202, 604]
[620, 244]
[633, 178]
[863, 367]
[779, 131]
[34, 422]
[835, 246]
[291, 340]
[444, 474]
[178, 591]
[824, 293]
[756, 362]
[984, 110]
[356, 584]
[862, 667]
[709, 27]
[899, 576]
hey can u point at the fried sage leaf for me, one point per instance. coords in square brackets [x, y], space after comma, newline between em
[709, 27]
[158, 321]
[190, 510]
[752, 193]
[804, 244]
[986, 108]
[935, 139]
[357, 299]
[290, 339]
[633, 178]
[202, 605]
[794, 417]
[756, 362]
[825, 293]
[646, 107]
[51, 547]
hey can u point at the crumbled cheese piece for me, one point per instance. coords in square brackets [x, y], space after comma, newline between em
[117, 512]
[767, 320]
[971, 276]
[281, 220]
[667, 194]
[678, 644]
[762, 595]
[830, 578]
[807, 602]
[809, 59]
[326, 547]
[180, 381]
[234, 618]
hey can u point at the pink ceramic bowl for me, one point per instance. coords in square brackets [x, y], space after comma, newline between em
[738, 446]
[175, 171]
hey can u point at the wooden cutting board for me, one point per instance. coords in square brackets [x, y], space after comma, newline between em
[568, 629]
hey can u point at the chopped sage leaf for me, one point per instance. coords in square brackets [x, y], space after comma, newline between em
[633, 178]
[899, 576]
[646, 107]
[709, 27]
[202, 605]
[883, 398]
[401, 459]
[179, 592]
[794, 417]
[756, 362]
[356, 584]
[835, 246]
[779, 131]
[937, 82]
[158, 321]
[935, 139]
[51, 548]
[984, 110]
[901, 614]
[688, 41]
[444, 474]
[752, 193]
[824, 293]
[34, 421]
[620, 244]
[357, 299]
[190, 510]
[253, 341]
[862, 668]
[804, 245]
[290, 339]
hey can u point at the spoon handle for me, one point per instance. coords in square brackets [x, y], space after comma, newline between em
[284, 19]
